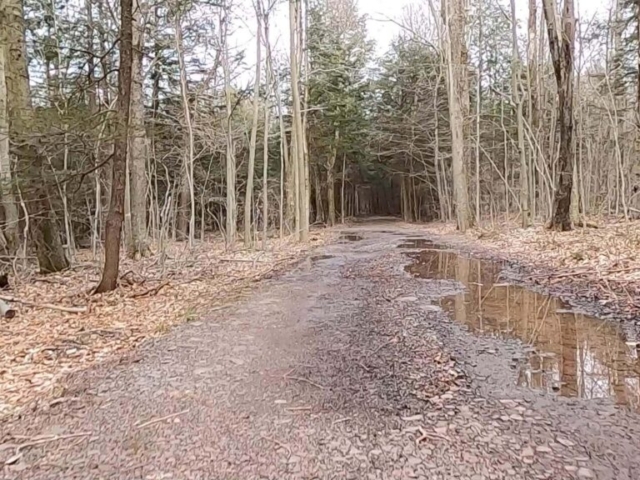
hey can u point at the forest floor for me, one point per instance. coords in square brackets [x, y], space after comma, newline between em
[61, 327]
[346, 366]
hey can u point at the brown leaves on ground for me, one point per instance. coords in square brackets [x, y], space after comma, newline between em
[41, 345]
[600, 264]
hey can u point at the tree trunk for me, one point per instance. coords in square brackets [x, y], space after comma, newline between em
[10, 228]
[46, 235]
[457, 79]
[317, 184]
[189, 191]
[344, 174]
[518, 102]
[139, 243]
[248, 198]
[230, 154]
[265, 144]
[561, 46]
[115, 218]
[331, 195]
[298, 157]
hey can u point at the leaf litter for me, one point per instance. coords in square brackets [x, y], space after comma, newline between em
[60, 327]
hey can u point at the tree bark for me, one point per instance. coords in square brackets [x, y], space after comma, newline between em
[230, 154]
[139, 243]
[115, 218]
[188, 192]
[331, 194]
[518, 103]
[298, 157]
[248, 198]
[561, 46]
[46, 234]
[10, 228]
[456, 75]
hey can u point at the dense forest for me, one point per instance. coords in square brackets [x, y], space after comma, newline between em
[138, 123]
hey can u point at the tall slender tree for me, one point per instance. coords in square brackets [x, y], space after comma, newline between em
[113, 233]
[561, 34]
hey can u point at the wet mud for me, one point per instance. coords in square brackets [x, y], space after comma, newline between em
[569, 353]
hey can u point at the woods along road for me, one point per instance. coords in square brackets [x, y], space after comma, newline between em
[365, 361]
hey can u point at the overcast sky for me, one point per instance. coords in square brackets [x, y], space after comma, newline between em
[380, 22]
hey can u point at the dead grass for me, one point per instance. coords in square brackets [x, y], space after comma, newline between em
[40, 345]
[602, 264]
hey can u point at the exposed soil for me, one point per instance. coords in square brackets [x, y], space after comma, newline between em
[345, 367]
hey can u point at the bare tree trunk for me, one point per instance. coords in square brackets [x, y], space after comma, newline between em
[10, 228]
[46, 235]
[304, 63]
[189, 155]
[561, 46]
[478, 109]
[248, 199]
[294, 11]
[518, 102]
[317, 187]
[139, 243]
[230, 154]
[286, 170]
[265, 145]
[116, 207]
[331, 195]
[456, 75]
[532, 60]
[344, 174]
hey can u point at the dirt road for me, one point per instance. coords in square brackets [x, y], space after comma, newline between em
[344, 368]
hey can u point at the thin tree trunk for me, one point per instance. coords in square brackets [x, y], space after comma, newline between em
[344, 174]
[561, 46]
[139, 243]
[46, 235]
[116, 207]
[265, 145]
[456, 76]
[248, 199]
[331, 196]
[189, 155]
[230, 154]
[10, 228]
[303, 233]
[518, 102]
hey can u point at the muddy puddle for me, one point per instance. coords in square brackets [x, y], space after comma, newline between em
[349, 237]
[409, 243]
[570, 354]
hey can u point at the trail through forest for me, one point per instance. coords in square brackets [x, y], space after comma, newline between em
[364, 361]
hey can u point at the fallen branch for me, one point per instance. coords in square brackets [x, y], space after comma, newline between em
[306, 380]
[42, 441]
[150, 291]
[44, 305]
[161, 419]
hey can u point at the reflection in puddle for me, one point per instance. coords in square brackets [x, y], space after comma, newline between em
[573, 354]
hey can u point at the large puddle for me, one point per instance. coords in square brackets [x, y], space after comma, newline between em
[571, 354]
